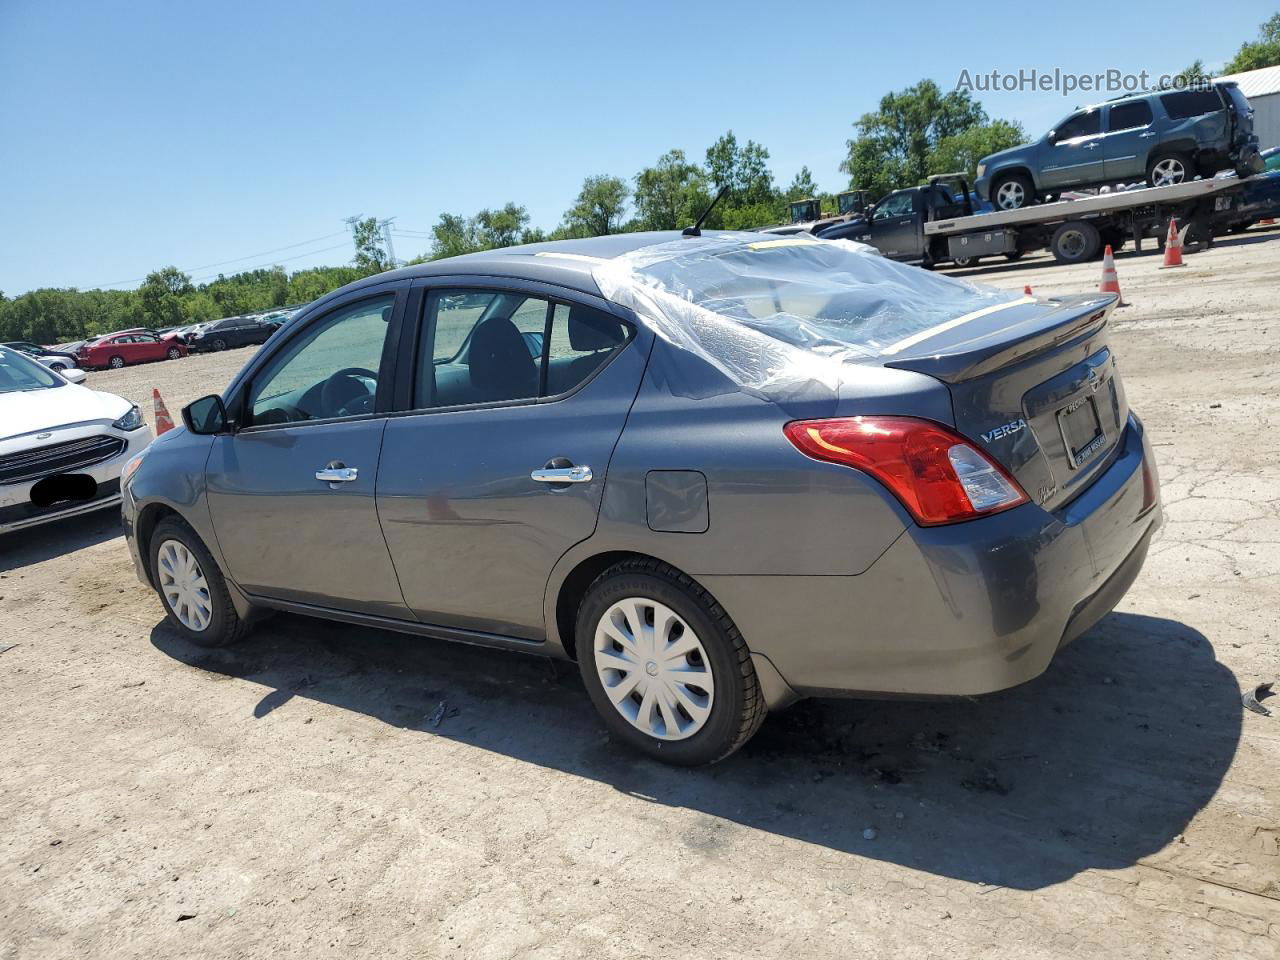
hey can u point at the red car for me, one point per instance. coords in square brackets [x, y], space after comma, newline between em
[115, 350]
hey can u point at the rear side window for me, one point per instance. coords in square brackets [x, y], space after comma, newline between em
[1190, 103]
[1126, 116]
[1081, 125]
[492, 346]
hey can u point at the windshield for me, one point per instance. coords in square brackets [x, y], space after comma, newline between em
[17, 373]
[774, 314]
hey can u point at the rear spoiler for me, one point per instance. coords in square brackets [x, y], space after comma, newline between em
[987, 340]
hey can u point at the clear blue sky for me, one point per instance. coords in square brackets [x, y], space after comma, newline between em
[139, 134]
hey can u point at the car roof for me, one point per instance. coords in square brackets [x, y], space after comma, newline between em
[555, 261]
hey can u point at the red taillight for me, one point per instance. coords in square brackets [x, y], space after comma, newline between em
[937, 475]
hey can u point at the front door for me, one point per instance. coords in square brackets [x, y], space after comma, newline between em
[1075, 155]
[519, 399]
[1127, 144]
[291, 493]
[895, 225]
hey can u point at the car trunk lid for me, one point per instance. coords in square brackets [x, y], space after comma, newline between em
[1033, 384]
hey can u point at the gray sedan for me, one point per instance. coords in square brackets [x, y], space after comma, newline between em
[720, 472]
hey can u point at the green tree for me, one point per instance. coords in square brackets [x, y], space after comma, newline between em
[802, 186]
[501, 228]
[162, 294]
[892, 146]
[370, 256]
[1264, 52]
[744, 170]
[599, 208]
[960, 152]
[1192, 75]
[671, 194]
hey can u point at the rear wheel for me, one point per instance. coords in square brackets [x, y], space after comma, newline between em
[1012, 191]
[1167, 169]
[665, 666]
[191, 587]
[1075, 242]
[116, 363]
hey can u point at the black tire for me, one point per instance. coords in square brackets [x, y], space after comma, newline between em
[1075, 242]
[219, 344]
[1169, 161]
[966, 261]
[1021, 192]
[115, 363]
[738, 706]
[225, 626]
[57, 367]
[173, 353]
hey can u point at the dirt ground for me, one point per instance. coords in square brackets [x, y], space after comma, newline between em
[291, 797]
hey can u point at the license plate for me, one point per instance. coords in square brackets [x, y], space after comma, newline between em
[1081, 429]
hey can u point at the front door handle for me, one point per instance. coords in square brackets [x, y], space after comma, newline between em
[562, 474]
[336, 473]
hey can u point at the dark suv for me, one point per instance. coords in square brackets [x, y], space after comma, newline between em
[1166, 138]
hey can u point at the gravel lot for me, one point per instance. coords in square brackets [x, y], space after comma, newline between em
[291, 797]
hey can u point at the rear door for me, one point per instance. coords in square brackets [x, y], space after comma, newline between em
[515, 397]
[291, 493]
[1131, 133]
[1075, 156]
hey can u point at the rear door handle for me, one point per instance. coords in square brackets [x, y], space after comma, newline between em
[562, 474]
[336, 473]
[1147, 134]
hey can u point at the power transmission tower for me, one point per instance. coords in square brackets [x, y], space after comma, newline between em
[386, 239]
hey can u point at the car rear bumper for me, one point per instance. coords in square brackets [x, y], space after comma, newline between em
[957, 610]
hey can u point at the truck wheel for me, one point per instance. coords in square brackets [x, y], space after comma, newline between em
[1013, 191]
[1167, 169]
[965, 261]
[1075, 242]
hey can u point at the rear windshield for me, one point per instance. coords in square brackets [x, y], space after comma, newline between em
[1190, 103]
[755, 306]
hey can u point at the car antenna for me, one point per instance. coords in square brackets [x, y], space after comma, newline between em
[696, 229]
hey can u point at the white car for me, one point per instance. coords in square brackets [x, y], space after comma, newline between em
[62, 446]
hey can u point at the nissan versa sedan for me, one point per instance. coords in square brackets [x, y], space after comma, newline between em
[719, 471]
[62, 446]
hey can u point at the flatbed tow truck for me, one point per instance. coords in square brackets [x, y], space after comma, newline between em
[932, 223]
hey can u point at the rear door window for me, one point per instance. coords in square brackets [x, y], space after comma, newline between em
[1127, 116]
[1185, 104]
[498, 346]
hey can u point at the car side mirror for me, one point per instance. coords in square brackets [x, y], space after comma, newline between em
[207, 415]
[1052, 136]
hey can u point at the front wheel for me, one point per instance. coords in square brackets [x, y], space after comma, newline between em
[665, 666]
[195, 597]
[219, 344]
[1012, 192]
[57, 367]
[173, 353]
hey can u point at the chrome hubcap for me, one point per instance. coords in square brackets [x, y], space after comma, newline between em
[1010, 196]
[1168, 172]
[654, 669]
[183, 585]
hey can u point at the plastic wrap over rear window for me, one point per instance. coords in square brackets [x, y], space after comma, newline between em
[784, 316]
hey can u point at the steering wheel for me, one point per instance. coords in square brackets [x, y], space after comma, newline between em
[345, 392]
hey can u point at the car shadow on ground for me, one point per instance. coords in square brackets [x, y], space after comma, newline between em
[23, 548]
[1100, 762]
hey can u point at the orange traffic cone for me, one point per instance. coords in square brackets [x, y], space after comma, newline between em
[164, 422]
[1110, 280]
[1026, 291]
[1173, 245]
